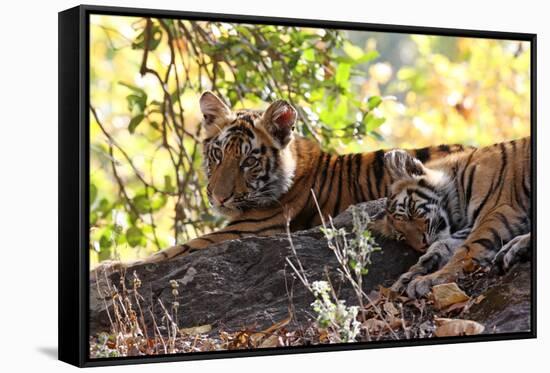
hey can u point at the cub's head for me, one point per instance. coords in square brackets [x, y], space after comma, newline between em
[246, 154]
[414, 210]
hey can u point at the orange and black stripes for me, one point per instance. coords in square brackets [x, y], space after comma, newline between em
[339, 181]
[486, 192]
[261, 176]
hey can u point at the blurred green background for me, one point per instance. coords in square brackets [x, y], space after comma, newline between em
[354, 92]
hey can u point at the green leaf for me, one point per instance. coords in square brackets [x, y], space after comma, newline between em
[136, 102]
[374, 102]
[309, 55]
[158, 201]
[104, 206]
[105, 242]
[372, 122]
[342, 74]
[154, 41]
[168, 186]
[133, 88]
[134, 122]
[93, 193]
[142, 203]
[353, 51]
[93, 218]
[367, 57]
[134, 236]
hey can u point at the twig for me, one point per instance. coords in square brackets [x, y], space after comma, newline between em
[348, 275]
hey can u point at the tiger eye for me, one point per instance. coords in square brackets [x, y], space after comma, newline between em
[217, 154]
[249, 162]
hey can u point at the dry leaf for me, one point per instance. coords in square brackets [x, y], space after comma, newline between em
[457, 327]
[256, 338]
[458, 306]
[374, 325]
[323, 336]
[390, 309]
[202, 329]
[271, 341]
[395, 322]
[277, 325]
[448, 294]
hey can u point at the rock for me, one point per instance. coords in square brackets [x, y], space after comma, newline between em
[506, 305]
[247, 283]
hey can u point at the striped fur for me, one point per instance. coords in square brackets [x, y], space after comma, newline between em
[461, 211]
[260, 174]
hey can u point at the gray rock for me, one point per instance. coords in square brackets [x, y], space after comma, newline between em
[247, 283]
[506, 307]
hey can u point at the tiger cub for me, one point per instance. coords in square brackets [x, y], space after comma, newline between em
[460, 211]
[260, 174]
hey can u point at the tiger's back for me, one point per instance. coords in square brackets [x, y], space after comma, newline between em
[490, 178]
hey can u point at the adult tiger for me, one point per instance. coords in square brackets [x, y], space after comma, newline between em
[260, 174]
[461, 211]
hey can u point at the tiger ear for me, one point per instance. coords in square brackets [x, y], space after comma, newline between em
[215, 112]
[402, 165]
[279, 119]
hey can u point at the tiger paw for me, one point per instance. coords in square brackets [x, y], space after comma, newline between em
[427, 263]
[400, 285]
[422, 285]
[516, 250]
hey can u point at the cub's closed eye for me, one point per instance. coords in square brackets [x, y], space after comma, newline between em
[217, 153]
[249, 162]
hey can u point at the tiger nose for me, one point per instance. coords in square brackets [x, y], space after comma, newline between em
[220, 199]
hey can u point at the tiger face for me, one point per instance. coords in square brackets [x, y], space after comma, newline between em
[415, 214]
[414, 211]
[247, 157]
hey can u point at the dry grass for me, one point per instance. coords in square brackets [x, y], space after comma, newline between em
[386, 316]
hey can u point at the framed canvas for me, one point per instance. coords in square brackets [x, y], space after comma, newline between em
[237, 186]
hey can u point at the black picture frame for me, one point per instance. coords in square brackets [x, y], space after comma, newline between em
[73, 75]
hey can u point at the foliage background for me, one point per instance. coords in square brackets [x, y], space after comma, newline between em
[355, 91]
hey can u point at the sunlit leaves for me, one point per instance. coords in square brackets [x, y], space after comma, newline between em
[135, 237]
[250, 65]
[134, 122]
[374, 102]
[358, 55]
[168, 185]
[105, 242]
[142, 203]
[372, 122]
[158, 201]
[342, 76]
[155, 36]
[463, 90]
[93, 193]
